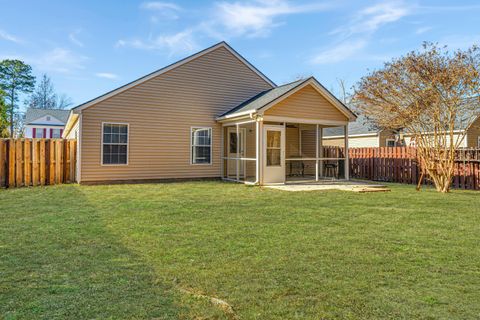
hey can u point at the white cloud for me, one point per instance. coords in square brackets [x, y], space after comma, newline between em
[157, 5]
[340, 52]
[423, 30]
[370, 19]
[354, 37]
[161, 10]
[73, 37]
[107, 75]
[9, 37]
[60, 60]
[257, 18]
[177, 43]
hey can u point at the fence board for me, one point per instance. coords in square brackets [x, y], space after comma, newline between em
[33, 162]
[3, 160]
[27, 162]
[43, 162]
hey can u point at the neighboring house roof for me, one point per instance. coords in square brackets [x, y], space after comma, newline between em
[154, 74]
[267, 98]
[360, 127]
[33, 114]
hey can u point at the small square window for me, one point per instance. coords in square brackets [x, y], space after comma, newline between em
[390, 142]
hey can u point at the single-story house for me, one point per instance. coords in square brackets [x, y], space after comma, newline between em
[45, 123]
[471, 135]
[361, 134]
[210, 115]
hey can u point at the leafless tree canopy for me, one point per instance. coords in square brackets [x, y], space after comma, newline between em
[431, 95]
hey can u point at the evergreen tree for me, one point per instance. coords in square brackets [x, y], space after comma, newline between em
[15, 78]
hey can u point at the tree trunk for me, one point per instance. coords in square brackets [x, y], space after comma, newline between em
[441, 181]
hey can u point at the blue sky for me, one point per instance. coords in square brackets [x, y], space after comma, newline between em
[90, 47]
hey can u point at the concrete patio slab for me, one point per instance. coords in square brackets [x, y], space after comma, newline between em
[354, 186]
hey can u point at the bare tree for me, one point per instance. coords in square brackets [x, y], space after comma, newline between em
[343, 91]
[433, 95]
[45, 97]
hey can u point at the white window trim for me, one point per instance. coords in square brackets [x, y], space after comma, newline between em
[44, 133]
[388, 140]
[52, 130]
[191, 146]
[478, 142]
[128, 146]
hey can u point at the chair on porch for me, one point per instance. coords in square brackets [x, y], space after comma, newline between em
[297, 169]
[331, 169]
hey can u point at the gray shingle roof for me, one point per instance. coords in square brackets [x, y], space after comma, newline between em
[264, 98]
[33, 114]
[361, 126]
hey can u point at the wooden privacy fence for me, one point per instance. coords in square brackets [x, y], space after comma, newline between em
[399, 164]
[33, 162]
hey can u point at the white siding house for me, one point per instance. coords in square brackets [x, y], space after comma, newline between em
[45, 123]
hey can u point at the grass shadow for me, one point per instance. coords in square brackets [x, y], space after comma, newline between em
[58, 261]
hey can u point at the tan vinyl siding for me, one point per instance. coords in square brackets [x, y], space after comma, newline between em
[473, 133]
[335, 142]
[307, 103]
[292, 142]
[160, 113]
[384, 135]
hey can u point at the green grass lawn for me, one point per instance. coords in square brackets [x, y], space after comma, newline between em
[130, 251]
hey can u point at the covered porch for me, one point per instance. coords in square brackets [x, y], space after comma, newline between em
[277, 137]
[258, 151]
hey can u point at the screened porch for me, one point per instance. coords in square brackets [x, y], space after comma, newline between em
[266, 152]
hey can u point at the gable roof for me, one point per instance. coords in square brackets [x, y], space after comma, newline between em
[359, 127]
[34, 114]
[156, 73]
[263, 98]
[268, 98]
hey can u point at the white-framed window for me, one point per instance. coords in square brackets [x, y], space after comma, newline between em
[39, 133]
[115, 143]
[48, 118]
[390, 142]
[56, 133]
[478, 142]
[201, 145]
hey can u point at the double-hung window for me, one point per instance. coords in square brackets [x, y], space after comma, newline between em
[115, 143]
[56, 133]
[201, 145]
[39, 133]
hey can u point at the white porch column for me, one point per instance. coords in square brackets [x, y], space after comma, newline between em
[347, 161]
[259, 162]
[257, 152]
[237, 162]
[320, 131]
[222, 153]
[316, 152]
